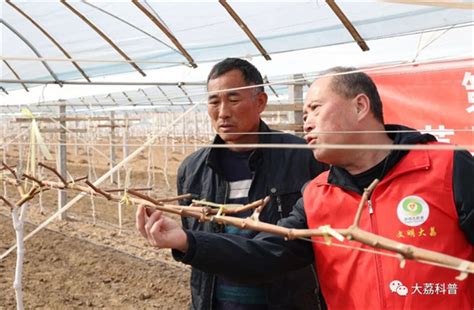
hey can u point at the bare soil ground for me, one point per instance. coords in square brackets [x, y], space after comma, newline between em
[87, 260]
[61, 271]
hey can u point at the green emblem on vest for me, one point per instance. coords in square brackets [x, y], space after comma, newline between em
[413, 211]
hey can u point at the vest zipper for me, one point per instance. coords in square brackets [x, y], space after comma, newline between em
[280, 208]
[273, 191]
[212, 292]
[371, 210]
[378, 263]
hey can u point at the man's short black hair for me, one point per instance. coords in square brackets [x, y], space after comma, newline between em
[251, 74]
[349, 84]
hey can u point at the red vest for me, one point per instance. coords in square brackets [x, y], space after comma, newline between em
[413, 204]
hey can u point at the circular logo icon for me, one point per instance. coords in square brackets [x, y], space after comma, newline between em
[413, 211]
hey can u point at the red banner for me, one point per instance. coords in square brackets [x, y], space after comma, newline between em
[436, 98]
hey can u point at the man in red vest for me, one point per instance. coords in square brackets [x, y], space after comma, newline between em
[424, 198]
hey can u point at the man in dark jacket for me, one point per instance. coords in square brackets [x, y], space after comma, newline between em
[424, 198]
[239, 175]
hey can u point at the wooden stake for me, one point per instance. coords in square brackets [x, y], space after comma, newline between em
[62, 159]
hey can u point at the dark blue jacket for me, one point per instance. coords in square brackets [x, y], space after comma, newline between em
[280, 173]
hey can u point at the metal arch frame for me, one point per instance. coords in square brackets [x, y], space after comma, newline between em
[49, 37]
[181, 86]
[131, 25]
[124, 83]
[245, 28]
[116, 103]
[3, 90]
[104, 36]
[347, 23]
[166, 32]
[146, 95]
[269, 85]
[52, 59]
[130, 100]
[165, 94]
[124, 93]
[109, 95]
[19, 35]
[16, 75]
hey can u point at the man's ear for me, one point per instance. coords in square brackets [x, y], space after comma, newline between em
[362, 103]
[262, 99]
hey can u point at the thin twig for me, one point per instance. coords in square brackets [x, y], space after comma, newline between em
[41, 184]
[5, 166]
[127, 189]
[7, 202]
[30, 195]
[78, 179]
[179, 197]
[144, 197]
[65, 183]
[98, 190]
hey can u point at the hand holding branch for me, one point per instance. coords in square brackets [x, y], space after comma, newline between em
[160, 230]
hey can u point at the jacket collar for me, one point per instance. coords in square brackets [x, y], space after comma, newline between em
[213, 155]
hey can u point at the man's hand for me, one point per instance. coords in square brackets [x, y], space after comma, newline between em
[159, 230]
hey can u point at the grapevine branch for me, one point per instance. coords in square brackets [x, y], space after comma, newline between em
[221, 213]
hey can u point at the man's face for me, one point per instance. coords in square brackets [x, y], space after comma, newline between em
[234, 112]
[324, 113]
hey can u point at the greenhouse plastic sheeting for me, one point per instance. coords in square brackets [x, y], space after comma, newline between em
[205, 30]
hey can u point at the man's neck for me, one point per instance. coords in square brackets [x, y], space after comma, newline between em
[363, 160]
[240, 149]
[251, 138]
